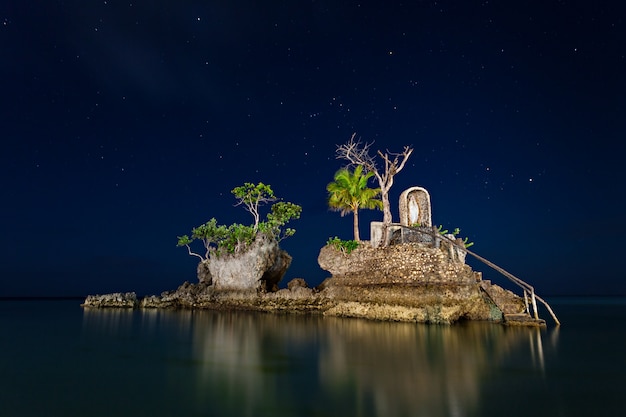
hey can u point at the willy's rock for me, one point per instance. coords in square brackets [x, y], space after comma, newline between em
[413, 282]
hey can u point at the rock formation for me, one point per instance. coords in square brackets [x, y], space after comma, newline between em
[405, 282]
[116, 300]
[416, 275]
[260, 267]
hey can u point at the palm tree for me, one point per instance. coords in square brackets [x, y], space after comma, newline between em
[349, 193]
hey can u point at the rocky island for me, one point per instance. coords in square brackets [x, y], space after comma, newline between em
[408, 271]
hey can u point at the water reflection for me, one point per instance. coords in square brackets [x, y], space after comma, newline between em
[258, 364]
[406, 369]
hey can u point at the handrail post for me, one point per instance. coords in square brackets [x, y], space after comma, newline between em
[534, 301]
[556, 320]
[526, 301]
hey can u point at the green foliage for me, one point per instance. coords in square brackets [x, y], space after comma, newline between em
[456, 232]
[280, 214]
[236, 237]
[345, 246]
[252, 196]
[221, 239]
[466, 243]
[183, 240]
[349, 193]
[209, 232]
[252, 193]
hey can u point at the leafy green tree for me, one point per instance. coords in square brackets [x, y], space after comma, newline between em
[349, 193]
[209, 233]
[220, 239]
[252, 196]
[281, 213]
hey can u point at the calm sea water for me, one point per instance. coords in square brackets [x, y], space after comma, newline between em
[58, 360]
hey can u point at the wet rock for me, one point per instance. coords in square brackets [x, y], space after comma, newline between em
[297, 283]
[408, 282]
[204, 273]
[118, 299]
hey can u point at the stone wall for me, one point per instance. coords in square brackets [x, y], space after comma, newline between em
[408, 263]
[407, 282]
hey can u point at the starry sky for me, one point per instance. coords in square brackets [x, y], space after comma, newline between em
[126, 123]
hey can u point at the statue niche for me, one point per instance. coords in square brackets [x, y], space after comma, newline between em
[415, 207]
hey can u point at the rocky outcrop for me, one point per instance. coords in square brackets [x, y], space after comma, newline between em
[204, 273]
[185, 296]
[296, 298]
[506, 301]
[260, 267]
[395, 264]
[411, 282]
[118, 300]
[407, 282]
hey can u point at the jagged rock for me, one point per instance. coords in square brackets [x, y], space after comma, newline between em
[260, 267]
[505, 300]
[394, 264]
[297, 283]
[118, 299]
[408, 282]
[275, 273]
[204, 273]
[186, 295]
[427, 314]
[323, 285]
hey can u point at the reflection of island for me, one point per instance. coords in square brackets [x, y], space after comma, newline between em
[403, 369]
[250, 364]
[387, 368]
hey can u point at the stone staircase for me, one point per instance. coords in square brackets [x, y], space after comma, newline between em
[513, 307]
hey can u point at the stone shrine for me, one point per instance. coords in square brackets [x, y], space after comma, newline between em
[415, 207]
[415, 210]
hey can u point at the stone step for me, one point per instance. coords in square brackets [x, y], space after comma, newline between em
[507, 302]
[523, 319]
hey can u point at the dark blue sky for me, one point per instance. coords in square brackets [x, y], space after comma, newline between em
[126, 123]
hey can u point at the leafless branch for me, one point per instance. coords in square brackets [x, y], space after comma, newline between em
[395, 161]
[357, 153]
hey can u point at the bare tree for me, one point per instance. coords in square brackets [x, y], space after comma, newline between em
[359, 153]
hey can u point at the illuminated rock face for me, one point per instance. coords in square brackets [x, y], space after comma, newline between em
[417, 276]
[114, 300]
[260, 267]
[409, 263]
[405, 282]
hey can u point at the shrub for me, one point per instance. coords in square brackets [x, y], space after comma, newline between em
[345, 246]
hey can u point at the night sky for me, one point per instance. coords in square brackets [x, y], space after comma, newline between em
[126, 123]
